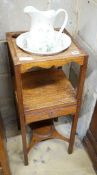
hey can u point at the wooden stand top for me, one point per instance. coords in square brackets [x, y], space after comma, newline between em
[73, 54]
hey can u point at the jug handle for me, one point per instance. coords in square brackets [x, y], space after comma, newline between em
[65, 21]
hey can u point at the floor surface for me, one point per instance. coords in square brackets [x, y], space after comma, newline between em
[49, 158]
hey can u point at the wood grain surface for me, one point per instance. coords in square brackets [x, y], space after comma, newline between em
[47, 91]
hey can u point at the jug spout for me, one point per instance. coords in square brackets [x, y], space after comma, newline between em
[30, 9]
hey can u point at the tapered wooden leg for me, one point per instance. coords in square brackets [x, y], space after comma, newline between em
[72, 135]
[82, 76]
[25, 151]
[21, 112]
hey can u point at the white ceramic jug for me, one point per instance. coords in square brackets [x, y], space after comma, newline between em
[42, 34]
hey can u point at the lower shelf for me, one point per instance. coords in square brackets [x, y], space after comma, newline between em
[43, 131]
